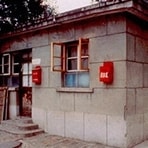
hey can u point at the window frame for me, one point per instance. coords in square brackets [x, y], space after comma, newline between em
[63, 57]
[3, 64]
[14, 64]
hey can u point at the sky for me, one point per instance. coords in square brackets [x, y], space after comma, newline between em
[66, 5]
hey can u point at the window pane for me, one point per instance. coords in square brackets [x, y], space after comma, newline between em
[0, 60]
[6, 69]
[84, 63]
[30, 68]
[72, 64]
[6, 59]
[30, 80]
[0, 69]
[16, 69]
[84, 50]
[25, 81]
[83, 79]
[17, 58]
[15, 81]
[25, 68]
[70, 80]
[72, 51]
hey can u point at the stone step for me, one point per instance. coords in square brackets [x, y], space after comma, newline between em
[21, 120]
[28, 133]
[30, 126]
[23, 127]
[20, 126]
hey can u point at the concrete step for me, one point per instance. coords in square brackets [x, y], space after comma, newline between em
[28, 133]
[21, 126]
[18, 120]
[29, 126]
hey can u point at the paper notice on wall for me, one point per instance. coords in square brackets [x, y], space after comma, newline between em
[36, 61]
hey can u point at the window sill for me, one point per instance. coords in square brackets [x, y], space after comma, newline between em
[75, 90]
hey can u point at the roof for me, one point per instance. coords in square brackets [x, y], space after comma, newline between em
[137, 8]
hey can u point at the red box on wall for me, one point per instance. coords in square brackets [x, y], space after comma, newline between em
[36, 75]
[106, 73]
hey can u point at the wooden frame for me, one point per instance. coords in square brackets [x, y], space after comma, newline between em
[3, 104]
[60, 66]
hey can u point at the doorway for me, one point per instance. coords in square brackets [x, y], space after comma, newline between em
[26, 84]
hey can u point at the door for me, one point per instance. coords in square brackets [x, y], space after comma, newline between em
[26, 84]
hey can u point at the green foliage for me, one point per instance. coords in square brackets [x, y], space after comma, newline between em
[18, 13]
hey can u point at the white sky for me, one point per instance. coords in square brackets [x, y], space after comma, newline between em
[66, 5]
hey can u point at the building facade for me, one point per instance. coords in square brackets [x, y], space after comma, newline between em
[75, 53]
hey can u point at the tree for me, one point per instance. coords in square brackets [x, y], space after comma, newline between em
[18, 13]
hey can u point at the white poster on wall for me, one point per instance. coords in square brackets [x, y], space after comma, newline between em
[36, 61]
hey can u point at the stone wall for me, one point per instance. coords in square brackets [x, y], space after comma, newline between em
[113, 114]
[97, 116]
[137, 79]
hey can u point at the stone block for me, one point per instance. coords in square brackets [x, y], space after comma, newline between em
[131, 102]
[141, 50]
[116, 131]
[145, 79]
[145, 126]
[46, 98]
[108, 48]
[134, 75]
[95, 128]
[74, 125]
[94, 75]
[119, 74]
[133, 27]
[131, 47]
[38, 39]
[134, 129]
[108, 101]
[19, 43]
[90, 29]
[39, 117]
[62, 34]
[55, 79]
[116, 24]
[66, 33]
[56, 120]
[42, 54]
[67, 101]
[83, 102]
[142, 100]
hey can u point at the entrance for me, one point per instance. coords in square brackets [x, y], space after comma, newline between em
[26, 84]
[16, 75]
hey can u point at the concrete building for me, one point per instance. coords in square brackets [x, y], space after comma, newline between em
[72, 100]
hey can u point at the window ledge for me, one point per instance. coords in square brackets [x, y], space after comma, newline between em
[75, 90]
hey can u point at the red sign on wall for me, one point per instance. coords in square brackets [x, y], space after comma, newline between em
[106, 73]
[36, 75]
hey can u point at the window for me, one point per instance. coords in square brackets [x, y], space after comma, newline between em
[16, 58]
[5, 64]
[27, 74]
[71, 59]
[27, 69]
[16, 69]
